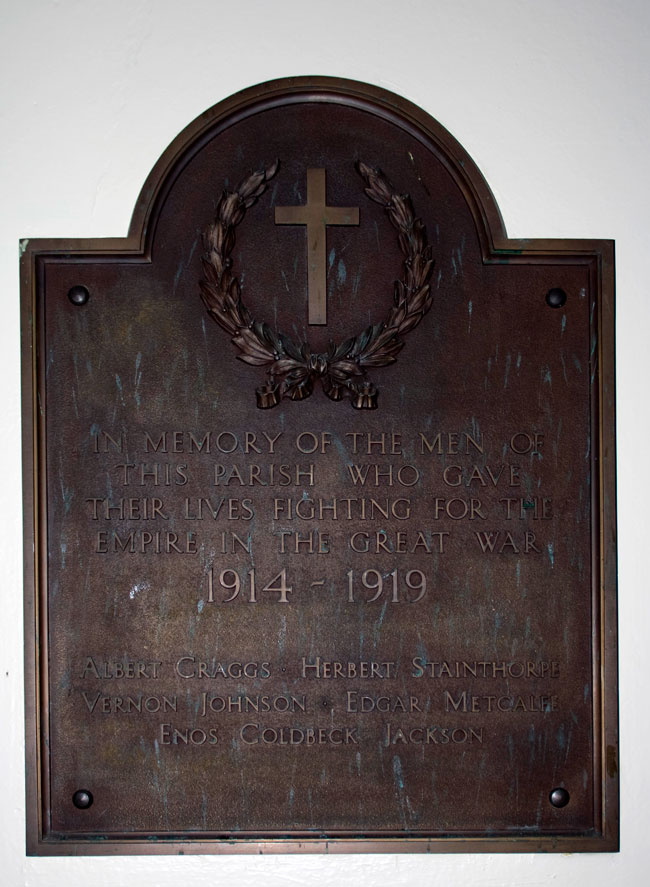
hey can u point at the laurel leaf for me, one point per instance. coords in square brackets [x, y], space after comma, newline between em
[218, 233]
[253, 352]
[380, 360]
[341, 374]
[229, 304]
[420, 297]
[361, 341]
[374, 196]
[400, 314]
[408, 274]
[223, 320]
[228, 204]
[349, 367]
[401, 292]
[285, 365]
[418, 236]
[248, 340]
[225, 281]
[336, 353]
[383, 357]
[427, 268]
[239, 214]
[366, 337]
[257, 193]
[290, 347]
[398, 211]
[250, 184]
[390, 320]
[250, 359]
[404, 243]
[208, 294]
[228, 242]
[252, 188]
[409, 323]
[211, 273]
[271, 337]
[380, 342]
[379, 188]
[257, 329]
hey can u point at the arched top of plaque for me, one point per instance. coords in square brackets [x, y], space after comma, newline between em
[361, 97]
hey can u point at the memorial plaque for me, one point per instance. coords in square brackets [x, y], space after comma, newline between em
[320, 518]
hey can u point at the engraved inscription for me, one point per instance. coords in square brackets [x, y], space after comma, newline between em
[398, 504]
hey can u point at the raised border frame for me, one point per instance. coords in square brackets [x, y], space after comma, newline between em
[496, 247]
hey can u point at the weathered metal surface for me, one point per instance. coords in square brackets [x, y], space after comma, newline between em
[265, 613]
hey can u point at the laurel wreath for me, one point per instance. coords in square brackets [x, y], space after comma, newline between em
[293, 368]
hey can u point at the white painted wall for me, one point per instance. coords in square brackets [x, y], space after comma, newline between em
[550, 98]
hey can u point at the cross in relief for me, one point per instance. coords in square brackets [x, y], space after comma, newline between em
[316, 215]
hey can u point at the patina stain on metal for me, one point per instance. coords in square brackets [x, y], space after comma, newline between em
[319, 481]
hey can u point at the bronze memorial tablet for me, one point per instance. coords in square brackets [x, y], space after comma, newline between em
[320, 503]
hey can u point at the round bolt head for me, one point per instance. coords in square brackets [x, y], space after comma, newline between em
[556, 297]
[78, 295]
[82, 799]
[559, 797]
